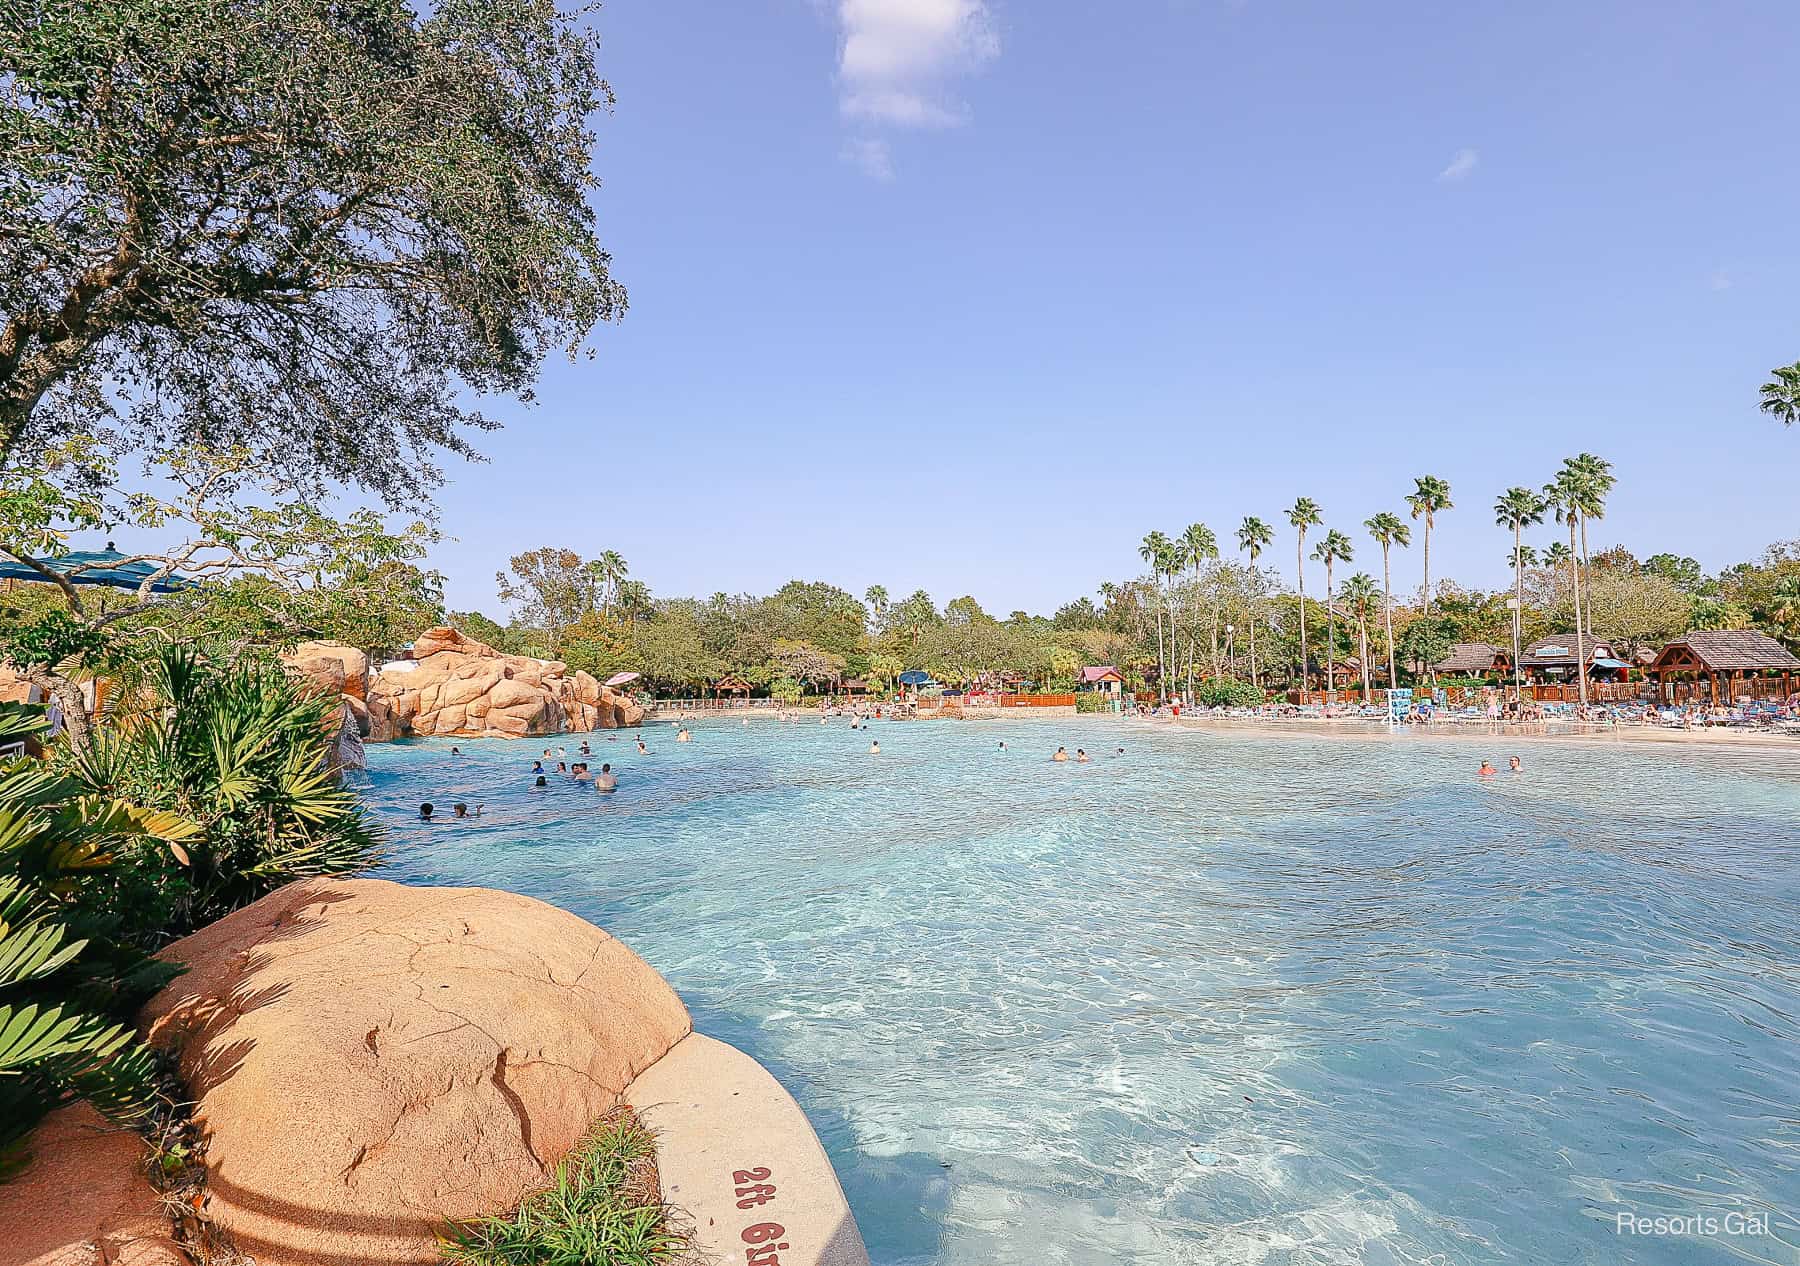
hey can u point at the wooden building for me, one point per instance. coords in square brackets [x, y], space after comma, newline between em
[1722, 665]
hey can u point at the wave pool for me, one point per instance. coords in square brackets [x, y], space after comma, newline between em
[1296, 1001]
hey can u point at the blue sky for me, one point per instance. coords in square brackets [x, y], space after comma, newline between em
[968, 296]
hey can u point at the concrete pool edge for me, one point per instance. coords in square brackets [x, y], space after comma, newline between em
[740, 1160]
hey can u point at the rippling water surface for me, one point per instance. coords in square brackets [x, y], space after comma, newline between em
[1221, 998]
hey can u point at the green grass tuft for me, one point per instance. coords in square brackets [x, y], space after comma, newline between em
[600, 1208]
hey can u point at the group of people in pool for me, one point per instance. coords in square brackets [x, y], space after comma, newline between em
[1488, 771]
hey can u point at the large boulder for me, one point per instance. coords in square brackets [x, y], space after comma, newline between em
[456, 687]
[83, 1199]
[368, 1060]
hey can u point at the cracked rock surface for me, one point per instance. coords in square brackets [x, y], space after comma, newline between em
[370, 1059]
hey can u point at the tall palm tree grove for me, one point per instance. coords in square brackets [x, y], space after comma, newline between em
[1389, 530]
[1304, 513]
[1518, 509]
[1334, 548]
[1254, 536]
[1430, 496]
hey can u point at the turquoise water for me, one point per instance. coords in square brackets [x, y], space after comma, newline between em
[1221, 999]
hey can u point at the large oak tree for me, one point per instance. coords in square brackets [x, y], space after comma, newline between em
[316, 228]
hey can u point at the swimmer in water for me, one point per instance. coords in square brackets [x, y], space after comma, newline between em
[456, 751]
[1081, 757]
[581, 771]
[541, 783]
[1003, 745]
[537, 766]
[641, 746]
[1513, 764]
[1061, 754]
[682, 735]
[875, 747]
[605, 781]
[585, 749]
[462, 810]
[1486, 770]
[425, 812]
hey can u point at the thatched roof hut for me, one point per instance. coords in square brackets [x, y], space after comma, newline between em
[1472, 659]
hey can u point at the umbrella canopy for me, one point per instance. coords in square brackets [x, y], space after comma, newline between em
[1611, 663]
[914, 677]
[98, 567]
[622, 679]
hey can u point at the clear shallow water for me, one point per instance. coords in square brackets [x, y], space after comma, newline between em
[1223, 999]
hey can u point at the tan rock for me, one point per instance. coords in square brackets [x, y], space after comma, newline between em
[352, 661]
[444, 638]
[83, 1200]
[369, 1059]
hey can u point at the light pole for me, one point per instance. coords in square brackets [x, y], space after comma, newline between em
[1230, 659]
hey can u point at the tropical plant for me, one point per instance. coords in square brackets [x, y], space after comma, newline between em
[242, 750]
[1362, 598]
[1228, 692]
[1563, 496]
[1518, 509]
[1303, 514]
[1196, 547]
[1388, 530]
[1158, 551]
[1781, 394]
[1429, 498]
[67, 972]
[1595, 479]
[1253, 537]
[1334, 548]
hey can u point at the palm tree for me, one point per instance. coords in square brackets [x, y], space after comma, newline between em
[1254, 536]
[1783, 610]
[1781, 395]
[611, 569]
[1389, 530]
[1303, 514]
[1597, 481]
[1359, 595]
[1563, 496]
[877, 598]
[1430, 496]
[1518, 509]
[1523, 556]
[1196, 546]
[1155, 551]
[1335, 548]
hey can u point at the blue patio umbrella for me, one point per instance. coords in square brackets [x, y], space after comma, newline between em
[97, 567]
[914, 677]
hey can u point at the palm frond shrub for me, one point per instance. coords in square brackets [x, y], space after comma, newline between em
[240, 748]
[69, 969]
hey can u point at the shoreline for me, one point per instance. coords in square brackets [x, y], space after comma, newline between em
[1588, 733]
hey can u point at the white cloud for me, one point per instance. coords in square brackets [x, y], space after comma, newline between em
[872, 155]
[1720, 280]
[1460, 166]
[896, 55]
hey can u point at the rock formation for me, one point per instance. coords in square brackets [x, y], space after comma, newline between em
[456, 687]
[83, 1199]
[368, 1059]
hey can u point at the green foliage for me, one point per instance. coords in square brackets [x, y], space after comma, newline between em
[49, 639]
[1228, 692]
[599, 1209]
[299, 225]
[1093, 701]
[1424, 642]
[240, 749]
[67, 974]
